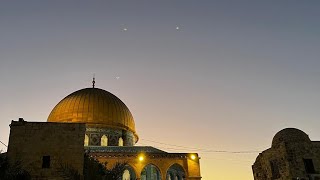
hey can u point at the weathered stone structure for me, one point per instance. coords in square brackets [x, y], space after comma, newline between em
[292, 156]
[43, 148]
[98, 122]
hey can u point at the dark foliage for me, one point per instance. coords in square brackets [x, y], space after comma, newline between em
[12, 172]
[69, 173]
[116, 171]
[94, 170]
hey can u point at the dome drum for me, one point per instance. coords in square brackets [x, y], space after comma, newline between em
[112, 136]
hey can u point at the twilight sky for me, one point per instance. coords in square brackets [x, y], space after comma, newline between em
[233, 74]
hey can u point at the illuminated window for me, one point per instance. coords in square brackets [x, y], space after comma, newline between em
[104, 140]
[120, 141]
[126, 175]
[86, 140]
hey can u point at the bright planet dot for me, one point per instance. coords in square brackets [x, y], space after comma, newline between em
[125, 29]
[177, 28]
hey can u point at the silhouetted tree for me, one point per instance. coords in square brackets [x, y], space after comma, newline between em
[69, 173]
[116, 171]
[94, 170]
[12, 171]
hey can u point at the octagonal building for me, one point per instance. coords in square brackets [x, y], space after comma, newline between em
[96, 122]
[108, 120]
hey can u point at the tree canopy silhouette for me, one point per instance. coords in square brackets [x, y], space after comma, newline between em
[12, 171]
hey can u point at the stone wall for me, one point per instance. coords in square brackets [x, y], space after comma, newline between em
[287, 159]
[272, 164]
[41, 144]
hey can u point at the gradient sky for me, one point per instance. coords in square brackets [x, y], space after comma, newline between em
[235, 73]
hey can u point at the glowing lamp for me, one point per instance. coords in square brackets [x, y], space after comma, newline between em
[193, 157]
[141, 158]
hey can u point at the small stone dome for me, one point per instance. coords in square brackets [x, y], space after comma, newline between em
[290, 135]
[95, 107]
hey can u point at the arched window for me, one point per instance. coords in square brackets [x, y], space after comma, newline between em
[150, 172]
[120, 141]
[128, 173]
[175, 172]
[86, 140]
[104, 140]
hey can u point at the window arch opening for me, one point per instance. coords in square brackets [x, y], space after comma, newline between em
[175, 172]
[150, 172]
[104, 140]
[86, 140]
[120, 141]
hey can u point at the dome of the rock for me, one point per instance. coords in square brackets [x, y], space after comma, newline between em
[95, 107]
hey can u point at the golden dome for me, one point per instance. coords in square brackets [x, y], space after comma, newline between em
[95, 107]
